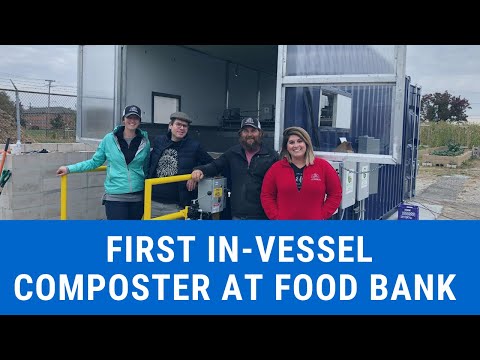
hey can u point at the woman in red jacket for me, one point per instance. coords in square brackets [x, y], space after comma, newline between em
[300, 186]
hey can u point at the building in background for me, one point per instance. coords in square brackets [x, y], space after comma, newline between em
[36, 118]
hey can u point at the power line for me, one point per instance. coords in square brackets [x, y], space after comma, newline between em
[23, 87]
[19, 77]
[30, 81]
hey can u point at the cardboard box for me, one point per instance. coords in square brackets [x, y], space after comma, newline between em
[344, 147]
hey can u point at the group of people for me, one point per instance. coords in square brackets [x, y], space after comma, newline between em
[292, 185]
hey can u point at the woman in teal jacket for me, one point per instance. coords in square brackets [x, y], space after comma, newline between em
[126, 151]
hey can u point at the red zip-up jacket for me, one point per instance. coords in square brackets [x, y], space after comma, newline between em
[281, 199]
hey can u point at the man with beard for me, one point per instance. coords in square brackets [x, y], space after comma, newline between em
[246, 163]
[175, 154]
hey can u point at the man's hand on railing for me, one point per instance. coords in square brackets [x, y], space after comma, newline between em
[197, 175]
[191, 185]
[62, 170]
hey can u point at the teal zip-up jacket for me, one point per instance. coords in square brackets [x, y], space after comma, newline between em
[121, 178]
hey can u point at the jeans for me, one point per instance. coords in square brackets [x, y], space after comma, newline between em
[160, 209]
[124, 210]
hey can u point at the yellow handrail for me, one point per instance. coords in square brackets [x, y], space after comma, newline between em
[182, 214]
[147, 207]
[63, 192]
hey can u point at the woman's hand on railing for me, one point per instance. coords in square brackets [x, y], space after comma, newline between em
[62, 170]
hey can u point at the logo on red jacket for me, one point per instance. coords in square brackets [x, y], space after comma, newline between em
[315, 177]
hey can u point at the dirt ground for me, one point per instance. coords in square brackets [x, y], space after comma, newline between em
[8, 129]
[456, 190]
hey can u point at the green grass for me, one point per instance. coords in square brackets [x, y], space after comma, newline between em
[51, 135]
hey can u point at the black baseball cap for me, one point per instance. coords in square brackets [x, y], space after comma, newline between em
[251, 122]
[132, 110]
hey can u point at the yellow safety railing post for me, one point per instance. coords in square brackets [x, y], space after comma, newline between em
[147, 206]
[64, 191]
[147, 200]
[63, 198]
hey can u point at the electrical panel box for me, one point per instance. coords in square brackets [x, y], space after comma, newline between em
[342, 111]
[212, 194]
[335, 108]
[363, 177]
[370, 145]
[346, 170]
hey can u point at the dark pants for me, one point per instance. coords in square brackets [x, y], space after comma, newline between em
[124, 210]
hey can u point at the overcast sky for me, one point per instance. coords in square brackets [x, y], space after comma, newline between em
[28, 66]
[455, 68]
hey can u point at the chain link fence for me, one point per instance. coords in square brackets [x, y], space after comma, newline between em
[44, 117]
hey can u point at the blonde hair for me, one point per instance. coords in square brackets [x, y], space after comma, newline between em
[301, 133]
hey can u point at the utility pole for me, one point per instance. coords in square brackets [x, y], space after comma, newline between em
[48, 111]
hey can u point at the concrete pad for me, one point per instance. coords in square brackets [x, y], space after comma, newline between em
[446, 187]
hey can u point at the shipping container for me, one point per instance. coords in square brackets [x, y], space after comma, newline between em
[355, 101]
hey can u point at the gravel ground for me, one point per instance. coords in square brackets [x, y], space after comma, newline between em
[457, 191]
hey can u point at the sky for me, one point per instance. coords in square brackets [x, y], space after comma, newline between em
[455, 68]
[28, 66]
[435, 68]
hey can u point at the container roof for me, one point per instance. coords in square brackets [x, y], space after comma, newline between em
[258, 57]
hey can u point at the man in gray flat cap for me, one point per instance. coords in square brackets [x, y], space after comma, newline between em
[175, 154]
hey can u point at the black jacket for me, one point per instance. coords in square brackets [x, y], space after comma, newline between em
[190, 154]
[245, 180]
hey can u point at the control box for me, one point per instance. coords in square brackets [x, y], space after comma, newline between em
[363, 177]
[346, 170]
[335, 108]
[212, 194]
[370, 145]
